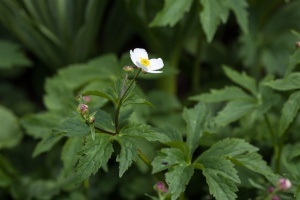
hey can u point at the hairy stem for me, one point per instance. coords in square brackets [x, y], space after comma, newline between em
[123, 95]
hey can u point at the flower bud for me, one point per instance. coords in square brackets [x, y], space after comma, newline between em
[298, 44]
[160, 187]
[284, 184]
[128, 69]
[87, 98]
[82, 108]
[275, 198]
[271, 189]
[91, 119]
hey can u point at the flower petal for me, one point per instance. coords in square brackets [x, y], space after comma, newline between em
[154, 72]
[137, 54]
[138, 64]
[156, 64]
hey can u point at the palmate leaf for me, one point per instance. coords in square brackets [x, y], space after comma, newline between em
[233, 111]
[293, 61]
[128, 154]
[289, 112]
[167, 158]
[225, 94]
[212, 14]
[103, 120]
[221, 177]
[135, 99]
[195, 119]
[142, 131]
[73, 127]
[45, 144]
[172, 12]
[290, 82]
[94, 155]
[177, 178]
[241, 79]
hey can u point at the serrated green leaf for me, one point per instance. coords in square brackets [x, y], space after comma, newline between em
[241, 79]
[291, 82]
[142, 131]
[177, 178]
[11, 56]
[94, 155]
[40, 125]
[293, 61]
[225, 94]
[7, 172]
[229, 147]
[69, 154]
[107, 95]
[195, 119]
[124, 116]
[289, 112]
[73, 127]
[166, 158]
[172, 133]
[172, 12]
[233, 111]
[221, 177]
[239, 9]
[45, 145]
[290, 161]
[212, 14]
[128, 154]
[10, 132]
[58, 97]
[103, 120]
[135, 99]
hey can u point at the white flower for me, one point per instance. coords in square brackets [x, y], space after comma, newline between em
[140, 58]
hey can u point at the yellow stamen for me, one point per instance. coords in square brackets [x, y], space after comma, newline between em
[145, 62]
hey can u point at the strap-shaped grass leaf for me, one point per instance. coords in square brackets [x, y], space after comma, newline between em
[225, 94]
[291, 82]
[103, 120]
[95, 154]
[195, 119]
[289, 112]
[128, 154]
[11, 56]
[172, 12]
[233, 111]
[241, 79]
[73, 127]
[177, 178]
[221, 177]
[166, 158]
[143, 131]
[212, 14]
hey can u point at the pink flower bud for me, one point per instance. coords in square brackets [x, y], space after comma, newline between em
[87, 98]
[271, 189]
[161, 187]
[284, 184]
[275, 198]
[82, 108]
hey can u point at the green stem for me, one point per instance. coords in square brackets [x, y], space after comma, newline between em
[121, 101]
[196, 67]
[276, 146]
[144, 158]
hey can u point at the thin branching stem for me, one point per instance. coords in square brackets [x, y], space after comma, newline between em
[121, 101]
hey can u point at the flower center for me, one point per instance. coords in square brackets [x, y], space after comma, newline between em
[145, 62]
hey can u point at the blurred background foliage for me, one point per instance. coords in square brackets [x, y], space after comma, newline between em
[53, 50]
